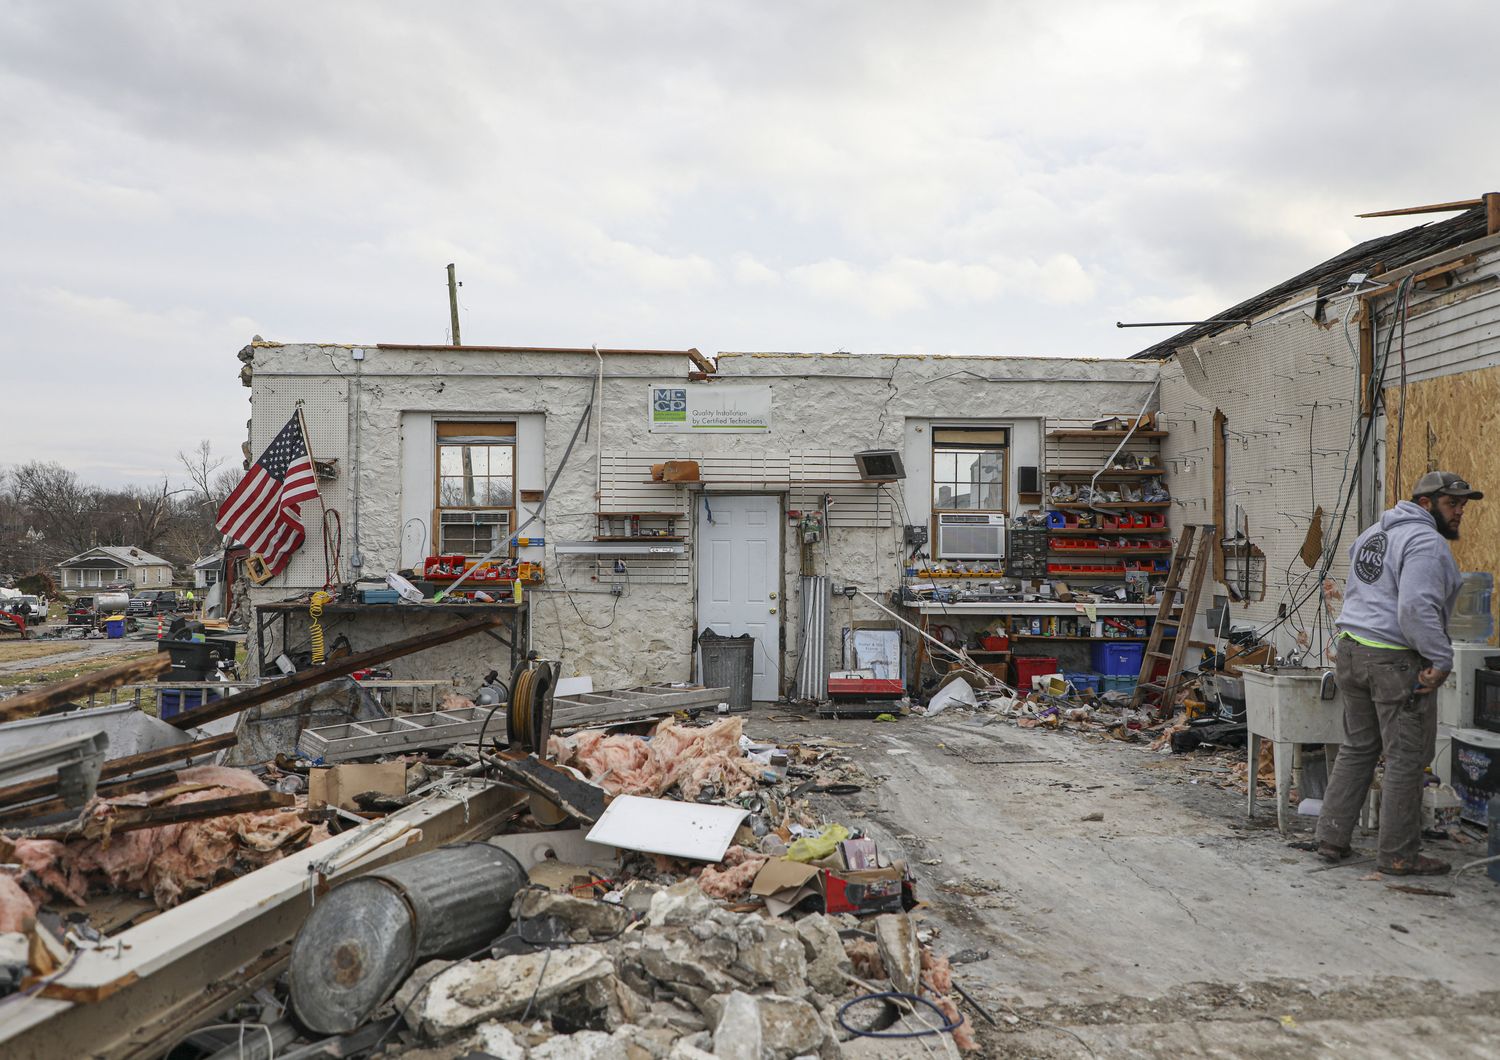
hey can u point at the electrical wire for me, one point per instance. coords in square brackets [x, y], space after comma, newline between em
[947, 1027]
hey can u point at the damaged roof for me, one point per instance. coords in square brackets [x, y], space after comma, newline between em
[1386, 253]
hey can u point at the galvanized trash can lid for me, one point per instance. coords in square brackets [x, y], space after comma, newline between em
[352, 953]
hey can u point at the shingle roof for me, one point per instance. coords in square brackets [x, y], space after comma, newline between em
[131, 557]
[1388, 252]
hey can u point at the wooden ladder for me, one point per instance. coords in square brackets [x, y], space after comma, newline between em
[1191, 557]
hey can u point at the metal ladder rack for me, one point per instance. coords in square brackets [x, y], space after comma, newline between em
[1190, 557]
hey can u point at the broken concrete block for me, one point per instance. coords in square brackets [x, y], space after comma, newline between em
[680, 905]
[737, 1034]
[585, 1045]
[827, 962]
[582, 919]
[475, 991]
[770, 1027]
[687, 1049]
[609, 1004]
[677, 1017]
[770, 954]
[675, 960]
[901, 953]
[496, 1039]
[414, 982]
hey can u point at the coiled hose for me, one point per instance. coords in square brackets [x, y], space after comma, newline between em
[314, 627]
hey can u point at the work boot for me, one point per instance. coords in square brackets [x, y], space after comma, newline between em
[1421, 865]
[1332, 854]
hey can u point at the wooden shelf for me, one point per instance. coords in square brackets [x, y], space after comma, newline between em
[646, 538]
[779, 483]
[1111, 553]
[1159, 531]
[1111, 473]
[654, 515]
[977, 651]
[1120, 640]
[1111, 436]
[1088, 575]
[1074, 505]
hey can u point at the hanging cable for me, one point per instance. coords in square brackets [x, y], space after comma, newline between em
[333, 546]
[314, 626]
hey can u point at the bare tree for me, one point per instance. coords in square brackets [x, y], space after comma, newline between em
[65, 511]
[202, 467]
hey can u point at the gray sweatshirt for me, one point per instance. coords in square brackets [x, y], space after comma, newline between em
[1403, 583]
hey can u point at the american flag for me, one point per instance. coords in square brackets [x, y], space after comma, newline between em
[264, 513]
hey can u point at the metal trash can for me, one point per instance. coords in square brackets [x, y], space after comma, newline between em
[728, 662]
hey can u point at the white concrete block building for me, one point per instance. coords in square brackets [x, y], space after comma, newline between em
[449, 449]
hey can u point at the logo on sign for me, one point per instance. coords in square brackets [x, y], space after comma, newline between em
[668, 404]
[1369, 560]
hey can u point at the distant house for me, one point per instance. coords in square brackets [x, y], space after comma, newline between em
[114, 565]
[206, 570]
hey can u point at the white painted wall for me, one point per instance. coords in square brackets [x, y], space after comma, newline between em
[821, 404]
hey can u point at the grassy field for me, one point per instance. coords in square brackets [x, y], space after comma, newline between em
[16, 650]
[42, 674]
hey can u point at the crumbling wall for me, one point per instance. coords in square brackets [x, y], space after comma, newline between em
[1287, 387]
[837, 403]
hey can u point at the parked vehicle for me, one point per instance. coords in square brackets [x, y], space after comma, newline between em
[154, 602]
[91, 610]
[81, 611]
[33, 607]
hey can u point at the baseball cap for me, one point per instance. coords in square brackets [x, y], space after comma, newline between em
[1446, 483]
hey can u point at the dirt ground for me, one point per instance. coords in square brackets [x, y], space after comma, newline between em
[1099, 899]
[25, 662]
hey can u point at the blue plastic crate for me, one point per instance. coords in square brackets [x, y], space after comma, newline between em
[1118, 683]
[1118, 660]
[1057, 521]
[1082, 681]
[379, 596]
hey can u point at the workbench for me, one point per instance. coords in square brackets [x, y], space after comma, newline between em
[516, 635]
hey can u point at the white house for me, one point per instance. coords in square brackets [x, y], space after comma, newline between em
[114, 565]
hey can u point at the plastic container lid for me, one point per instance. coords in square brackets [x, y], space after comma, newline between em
[115, 618]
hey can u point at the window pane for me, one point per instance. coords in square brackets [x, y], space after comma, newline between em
[502, 460]
[968, 466]
[942, 494]
[496, 492]
[455, 494]
[991, 463]
[944, 467]
[450, 460]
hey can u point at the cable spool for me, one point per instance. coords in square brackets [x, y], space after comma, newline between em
[528, 721]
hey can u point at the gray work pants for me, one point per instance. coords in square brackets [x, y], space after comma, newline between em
[1380, 713]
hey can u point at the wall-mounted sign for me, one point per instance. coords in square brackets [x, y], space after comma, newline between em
[679, 409]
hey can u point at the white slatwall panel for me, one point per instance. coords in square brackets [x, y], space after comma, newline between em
[1089, 454]
[326, 413]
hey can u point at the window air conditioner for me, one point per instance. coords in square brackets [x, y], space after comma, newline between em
[961, 535]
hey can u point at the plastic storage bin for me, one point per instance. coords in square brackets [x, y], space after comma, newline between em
[1082, 681]
[728, 662]
[1119, 660]
[174, 701]
[1117, 683]
[1029, 666]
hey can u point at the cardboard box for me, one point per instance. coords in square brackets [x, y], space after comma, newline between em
[786, 884]
[680, 471]
[337, 785]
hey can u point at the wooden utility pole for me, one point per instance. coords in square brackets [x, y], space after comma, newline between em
[453, 303]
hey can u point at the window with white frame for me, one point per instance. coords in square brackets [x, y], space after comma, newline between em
[475, 486]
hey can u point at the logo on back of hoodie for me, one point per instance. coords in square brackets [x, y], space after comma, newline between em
[1369, 561]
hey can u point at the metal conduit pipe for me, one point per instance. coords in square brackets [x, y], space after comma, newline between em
[364, 938]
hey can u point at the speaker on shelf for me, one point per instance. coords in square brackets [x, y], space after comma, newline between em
[1027, 479]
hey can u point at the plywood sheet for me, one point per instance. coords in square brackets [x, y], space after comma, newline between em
[1453, 424]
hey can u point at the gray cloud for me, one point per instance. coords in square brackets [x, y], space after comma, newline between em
[961, 177]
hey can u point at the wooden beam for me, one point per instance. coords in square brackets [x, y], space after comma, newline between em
[1491, 212]
[129, 786]
[58, 693]
[1437, 207]
[316, 675]
[1366, 356]
[1220, 488]
[119, 767]
[133, 818]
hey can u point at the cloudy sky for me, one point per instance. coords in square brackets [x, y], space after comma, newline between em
[952, 177]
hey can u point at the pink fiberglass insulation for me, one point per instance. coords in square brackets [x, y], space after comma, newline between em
[675, 755]
[16, 906]
[732, 877]
[621, 765]
[173, 860]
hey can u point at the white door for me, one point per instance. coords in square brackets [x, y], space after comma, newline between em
[739, 578]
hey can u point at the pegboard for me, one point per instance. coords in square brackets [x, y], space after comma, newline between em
[326, 411]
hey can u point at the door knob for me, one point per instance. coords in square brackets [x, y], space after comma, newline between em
[773, 596]
[773, 610]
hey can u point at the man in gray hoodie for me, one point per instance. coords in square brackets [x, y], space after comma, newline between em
[1393, 652]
